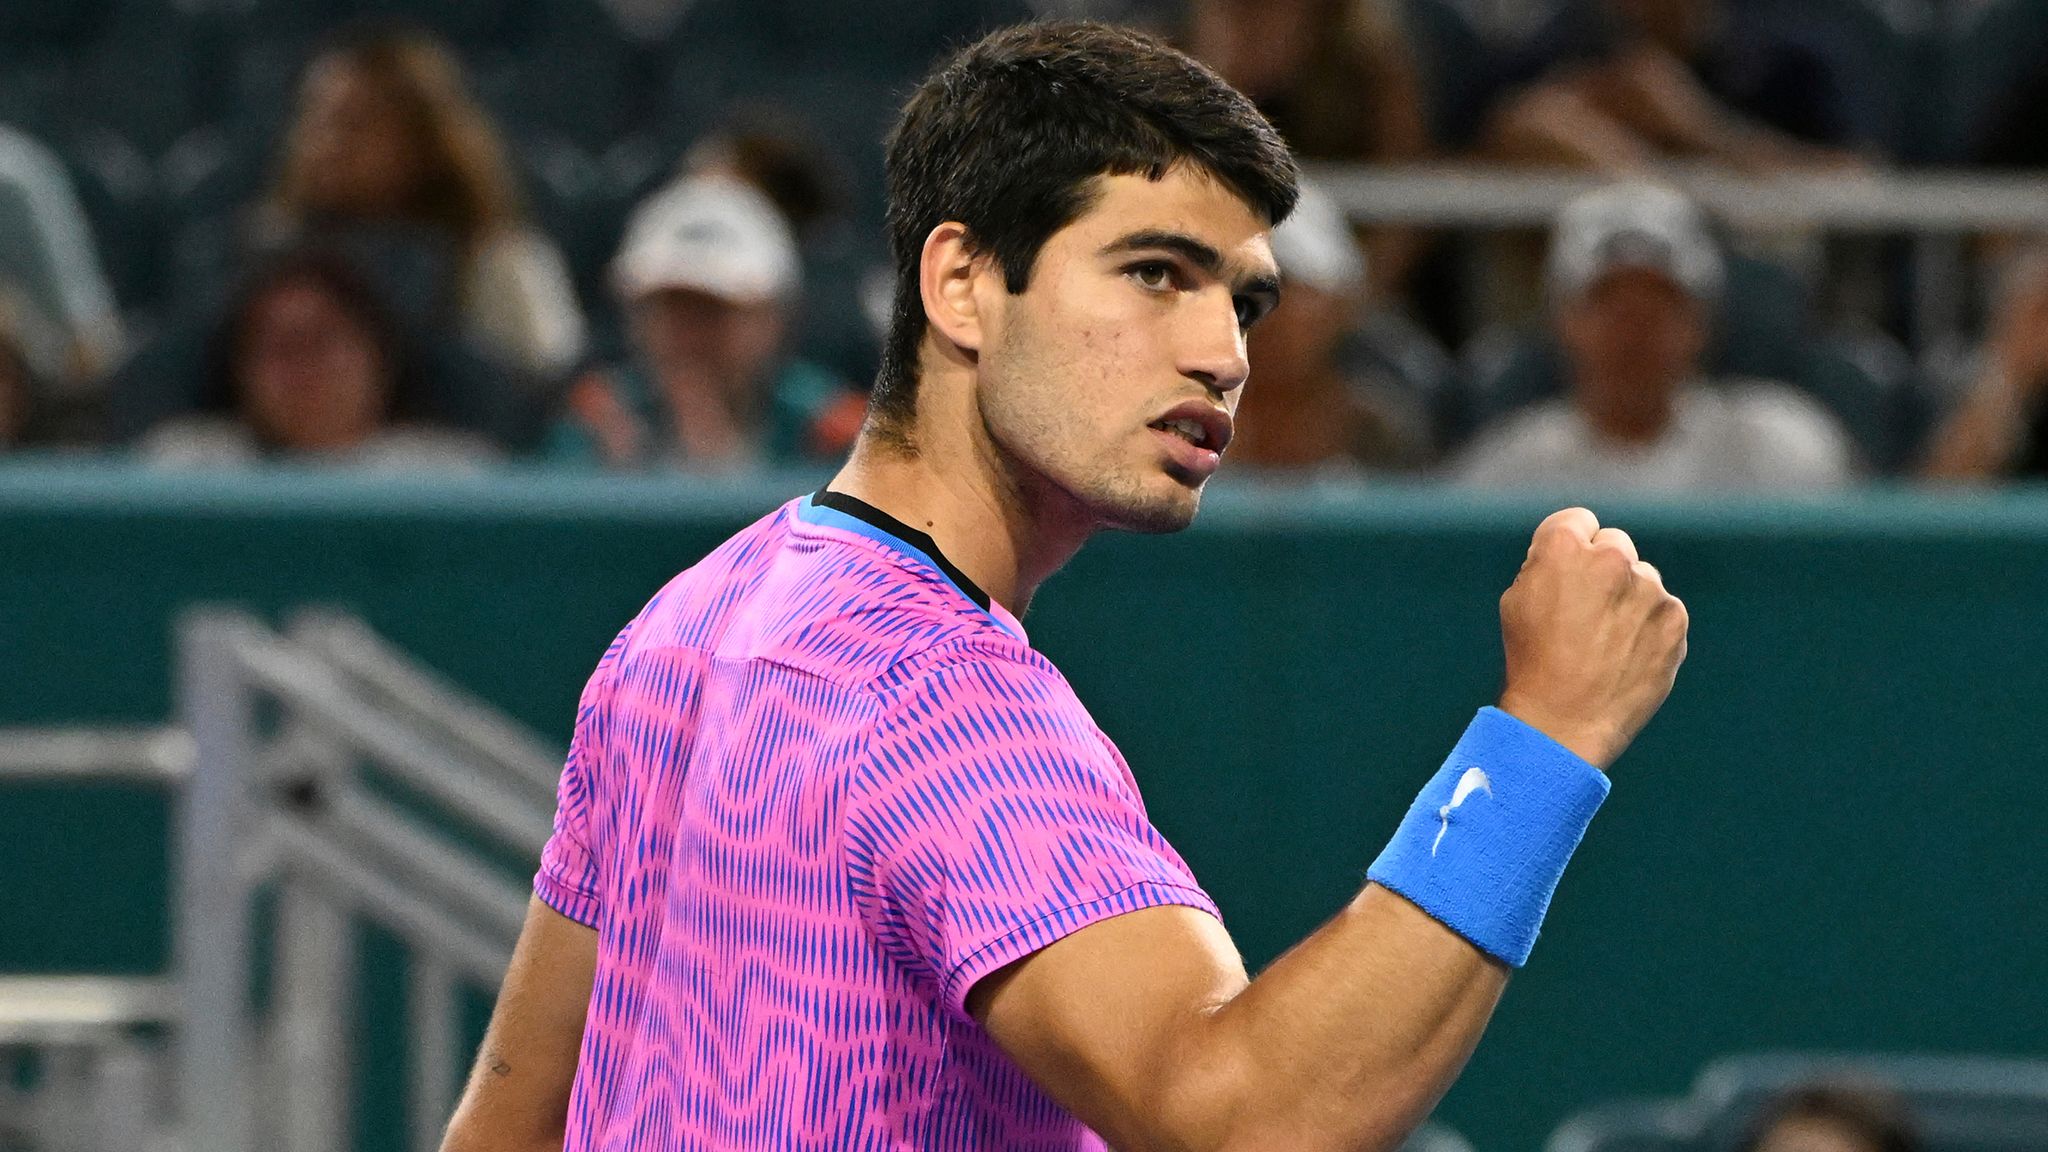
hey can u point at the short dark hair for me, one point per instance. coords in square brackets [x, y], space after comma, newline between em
[1007, 136]
[1870, 1114]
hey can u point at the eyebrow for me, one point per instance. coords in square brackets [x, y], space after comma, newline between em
[1201, 255]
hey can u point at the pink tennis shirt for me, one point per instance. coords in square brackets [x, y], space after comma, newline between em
[818, 788]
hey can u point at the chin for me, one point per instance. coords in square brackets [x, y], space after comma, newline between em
[1153, 513]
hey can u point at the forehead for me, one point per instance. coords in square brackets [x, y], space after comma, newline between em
[1185, 200]
[1636, 283]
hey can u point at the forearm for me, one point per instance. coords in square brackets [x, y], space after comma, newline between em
[470, 1133]
[1980, 440]
[503, 1108]
[1553, 125]
[519, 1088]
[1348, 1040]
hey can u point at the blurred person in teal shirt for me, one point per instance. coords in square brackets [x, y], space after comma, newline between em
[709, 277]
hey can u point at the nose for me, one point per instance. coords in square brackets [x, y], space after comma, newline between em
[1212, 348]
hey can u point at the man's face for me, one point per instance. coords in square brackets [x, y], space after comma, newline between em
[1632, 337]
[1114, 377]
[312, 377]
[1297, 344]
[725, 347]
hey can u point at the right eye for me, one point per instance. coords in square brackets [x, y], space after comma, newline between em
[1153, 274]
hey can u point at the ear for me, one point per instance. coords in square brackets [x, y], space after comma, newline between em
[947, 274]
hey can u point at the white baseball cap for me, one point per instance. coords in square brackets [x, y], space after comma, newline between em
[1634, 225]
[714, 234]
[1314, 245]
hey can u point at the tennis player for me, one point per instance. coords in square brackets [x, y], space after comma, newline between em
[840, 862]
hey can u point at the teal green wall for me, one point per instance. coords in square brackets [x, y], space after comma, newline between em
[1830, 838]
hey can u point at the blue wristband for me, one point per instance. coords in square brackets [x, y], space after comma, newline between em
[1485, 842]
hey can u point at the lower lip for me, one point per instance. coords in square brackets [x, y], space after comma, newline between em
[1199, 463]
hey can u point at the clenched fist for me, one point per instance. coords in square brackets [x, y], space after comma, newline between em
[1593, 639]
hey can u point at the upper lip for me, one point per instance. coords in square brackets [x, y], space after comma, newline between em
[1214, 421]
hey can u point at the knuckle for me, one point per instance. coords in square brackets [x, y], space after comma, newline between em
[1573, 521]
[1609, 562]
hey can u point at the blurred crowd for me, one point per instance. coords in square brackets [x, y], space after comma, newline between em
[645, 234]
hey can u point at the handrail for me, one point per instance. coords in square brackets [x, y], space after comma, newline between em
[147, 755]
[515, 820]
[290, 802]
[376, 829]
[1490, 197]
[418, 694]
[74, 1009]
[329, 865]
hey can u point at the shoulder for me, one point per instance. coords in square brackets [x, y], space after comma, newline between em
[407, 448]
[1532, 435]
[198, 442]
[1790, 430]
[522, 252]
[991, 708]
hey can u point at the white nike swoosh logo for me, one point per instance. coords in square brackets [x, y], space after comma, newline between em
[1474, 780]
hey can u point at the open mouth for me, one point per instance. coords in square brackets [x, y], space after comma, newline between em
[1188, 430]
[1202, 425]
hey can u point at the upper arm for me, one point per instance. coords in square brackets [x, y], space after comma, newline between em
[990, 818]
[1108, 1020]
[518, 1093]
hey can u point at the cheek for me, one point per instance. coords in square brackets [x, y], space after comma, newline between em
[270, 384]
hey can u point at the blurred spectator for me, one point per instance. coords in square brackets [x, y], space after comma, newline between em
[1619, 84]
[1337, 78]
[310, 365]
[18, 388]
[1633, 280]
[1833, 1118]
[390, 153]
[66, 320]
[2000, 429]
[771, 150]
[1305, 409]
[709, 276]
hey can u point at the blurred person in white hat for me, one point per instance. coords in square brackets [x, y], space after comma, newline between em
[709, 277]
[1305, 409]
[1634, 276]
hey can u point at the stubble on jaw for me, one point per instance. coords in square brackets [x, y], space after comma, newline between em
[1028, 426]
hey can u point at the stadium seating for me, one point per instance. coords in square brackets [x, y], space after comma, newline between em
[1960, 1104]
[1985, 48]
[1452, 57]
[1880, 51]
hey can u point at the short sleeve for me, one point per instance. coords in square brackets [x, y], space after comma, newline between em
[569, 879]
[990, 818]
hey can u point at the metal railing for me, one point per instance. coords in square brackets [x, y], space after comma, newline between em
[1937, 211]
[324, 767]
[1490, 197]
[328, 766]
[81, 1059]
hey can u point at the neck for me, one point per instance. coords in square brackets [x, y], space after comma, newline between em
[1641, 420]
[709, 422]
[1006, 529]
